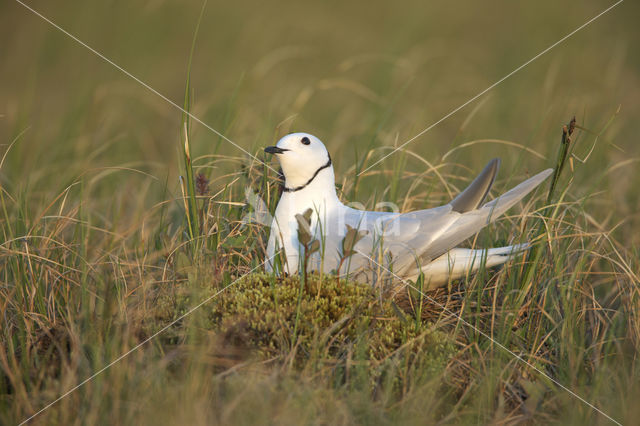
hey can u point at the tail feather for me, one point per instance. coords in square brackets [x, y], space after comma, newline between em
[458, 262]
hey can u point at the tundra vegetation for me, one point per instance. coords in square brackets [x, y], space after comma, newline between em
[123, 245]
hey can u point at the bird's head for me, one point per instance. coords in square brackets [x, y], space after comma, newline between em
[302, 157]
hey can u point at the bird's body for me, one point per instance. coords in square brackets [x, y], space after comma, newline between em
[393, 245]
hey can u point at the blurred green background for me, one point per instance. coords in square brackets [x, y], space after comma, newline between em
[351, 73]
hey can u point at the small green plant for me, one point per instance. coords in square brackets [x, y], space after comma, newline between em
[308, 244]
[563, 154]
[352, 237]
[188, 183]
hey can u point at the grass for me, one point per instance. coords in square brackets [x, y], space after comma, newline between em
[102, 245]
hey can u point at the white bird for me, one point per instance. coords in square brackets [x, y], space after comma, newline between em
[393, 245]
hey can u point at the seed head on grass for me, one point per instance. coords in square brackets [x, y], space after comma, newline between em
[202, 184]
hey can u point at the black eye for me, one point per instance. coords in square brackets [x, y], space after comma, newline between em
[305, 140]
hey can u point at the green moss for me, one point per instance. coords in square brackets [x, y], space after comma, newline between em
[258, 312]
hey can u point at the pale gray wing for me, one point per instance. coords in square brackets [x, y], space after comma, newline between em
[389, 241]
[400, 241]
[368, 222]
[400, 232]
[471, 222]
[375, 227]
[391, 234]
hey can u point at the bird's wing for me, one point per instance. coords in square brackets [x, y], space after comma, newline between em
[389, 237]
[400, 241]
[423, 235]
[373, 228]
[469, 223]
[368, 223]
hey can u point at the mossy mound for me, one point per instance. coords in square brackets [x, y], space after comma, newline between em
[273, 316]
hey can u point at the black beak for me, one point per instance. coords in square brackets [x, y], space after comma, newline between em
[274, 150]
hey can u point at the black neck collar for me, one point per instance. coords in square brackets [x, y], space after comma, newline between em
[298, 188]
